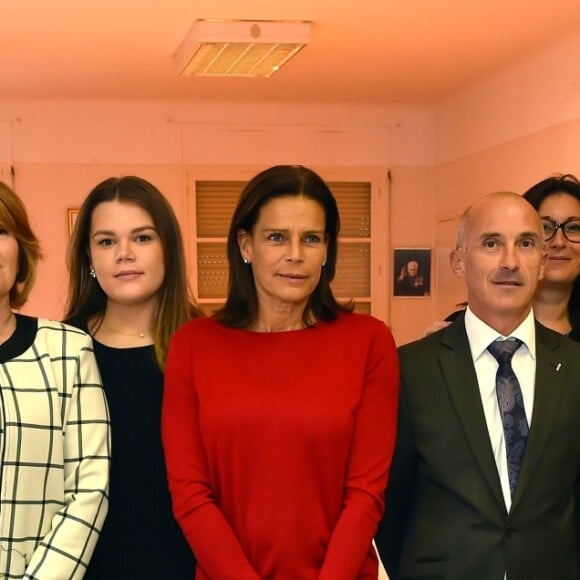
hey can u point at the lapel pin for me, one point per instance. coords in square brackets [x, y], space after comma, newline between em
[558, 367]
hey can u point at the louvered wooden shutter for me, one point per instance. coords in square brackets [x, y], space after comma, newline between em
[214, 204]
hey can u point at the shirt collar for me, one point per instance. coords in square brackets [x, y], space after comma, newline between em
[481, 335]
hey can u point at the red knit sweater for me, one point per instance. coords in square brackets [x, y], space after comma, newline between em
[278, 446]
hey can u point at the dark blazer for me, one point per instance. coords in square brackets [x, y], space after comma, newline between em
[445, 513]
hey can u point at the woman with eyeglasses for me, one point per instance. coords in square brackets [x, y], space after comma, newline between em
[557, 299]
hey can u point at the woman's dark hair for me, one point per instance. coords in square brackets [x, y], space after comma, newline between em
[554, 185]
[241, 307]
[86, 298]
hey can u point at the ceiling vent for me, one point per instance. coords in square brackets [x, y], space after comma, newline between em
[240, 48]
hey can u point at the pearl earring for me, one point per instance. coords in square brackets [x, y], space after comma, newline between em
[92, 273]
[246, 261]
[324, 263]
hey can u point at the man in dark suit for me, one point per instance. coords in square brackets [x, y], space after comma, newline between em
[481, 490]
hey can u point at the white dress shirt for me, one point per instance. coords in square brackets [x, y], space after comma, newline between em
[480, 336]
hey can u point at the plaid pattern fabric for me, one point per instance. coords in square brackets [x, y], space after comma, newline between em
[55, 452]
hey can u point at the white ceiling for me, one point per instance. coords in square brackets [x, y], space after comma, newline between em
[373, 51]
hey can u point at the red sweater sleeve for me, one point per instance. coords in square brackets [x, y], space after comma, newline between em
[371, 452]
[216, 548]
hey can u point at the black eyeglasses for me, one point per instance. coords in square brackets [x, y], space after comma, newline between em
[570, 228]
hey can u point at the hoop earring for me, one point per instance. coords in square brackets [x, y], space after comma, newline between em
[92, 273]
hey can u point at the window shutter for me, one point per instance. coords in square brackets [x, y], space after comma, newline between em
[214, 205]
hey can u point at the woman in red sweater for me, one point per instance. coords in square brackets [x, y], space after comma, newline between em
[279, 412]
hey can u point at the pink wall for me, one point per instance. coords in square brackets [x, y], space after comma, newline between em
[412, 218]
[60, 150]
[504, 132]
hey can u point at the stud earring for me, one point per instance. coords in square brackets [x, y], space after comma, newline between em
[246, 261]
[324, 263]
[92, 273]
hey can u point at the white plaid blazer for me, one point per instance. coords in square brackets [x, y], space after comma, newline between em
[54, 452]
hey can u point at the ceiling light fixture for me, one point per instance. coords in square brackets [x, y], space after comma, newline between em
[240, 48]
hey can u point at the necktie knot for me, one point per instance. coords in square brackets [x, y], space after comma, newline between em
[503, 350]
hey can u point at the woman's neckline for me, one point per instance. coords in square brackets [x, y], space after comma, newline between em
[291, 331]
[116, 347]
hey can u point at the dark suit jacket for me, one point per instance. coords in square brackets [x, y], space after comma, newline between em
[445, 514]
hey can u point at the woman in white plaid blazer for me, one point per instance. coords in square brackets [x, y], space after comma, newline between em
[54, 425]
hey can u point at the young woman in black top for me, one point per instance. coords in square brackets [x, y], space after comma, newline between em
[128, 289]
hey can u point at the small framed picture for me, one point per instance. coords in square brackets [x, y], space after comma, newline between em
[72, 218]
[412, 272]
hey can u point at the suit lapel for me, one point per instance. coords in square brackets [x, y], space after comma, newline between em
[461, 380]
[549, 383]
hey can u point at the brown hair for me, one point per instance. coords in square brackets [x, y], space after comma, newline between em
[241, 307]
[86, 298]
[14, 218]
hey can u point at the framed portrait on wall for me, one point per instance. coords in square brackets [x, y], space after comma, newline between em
[412, 272]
